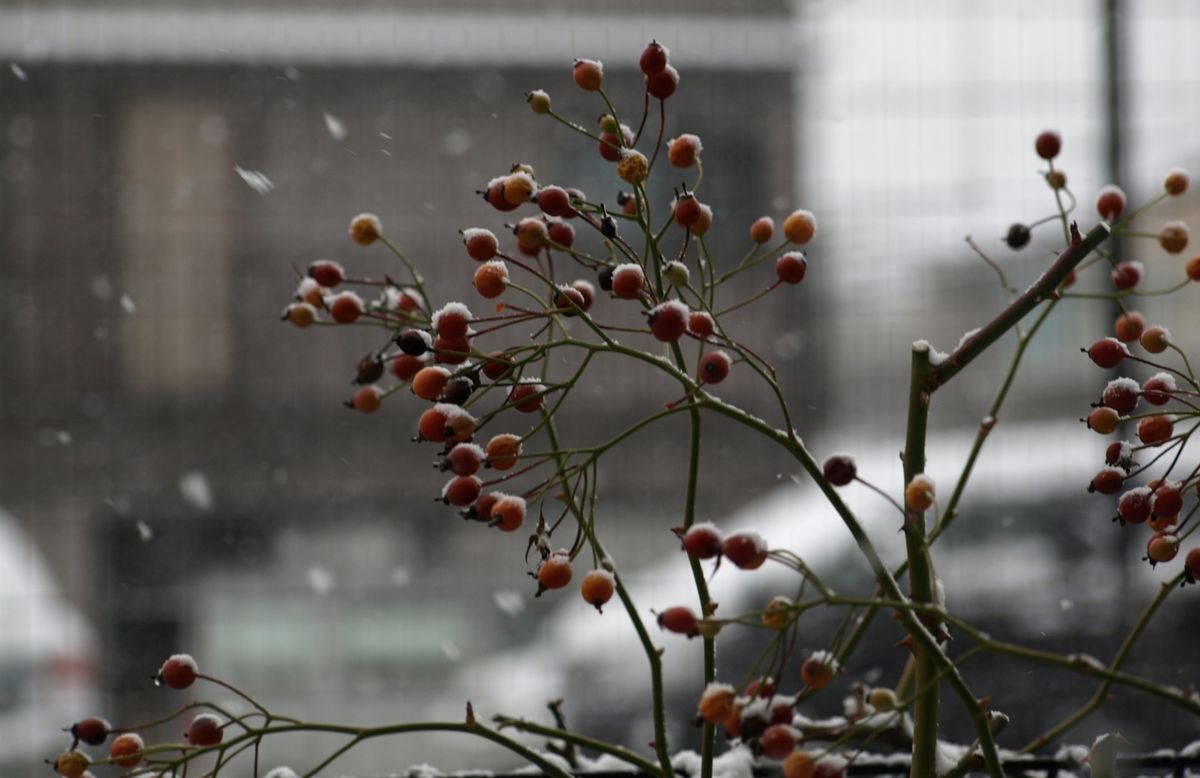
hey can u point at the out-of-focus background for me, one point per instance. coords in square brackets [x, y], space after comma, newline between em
[176, 471]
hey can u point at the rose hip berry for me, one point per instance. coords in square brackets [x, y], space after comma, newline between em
[840, 469]
[1156, 340]
[451, 351]
[920, 492]
[301, 315]
[72, 764]
[668, 321]
[1158, 388]
[527, 396]
[682, 151]
[1127, 275]
[554, 201]
[597, 588]
[461, 490]
[429, 382]
[1017, 237]
[1153, 430]
[1103, 420]
[701, 324]
[777, 741]
[326, 273]
[686, 210]
[1107, 481]
[508, 512]
[704, 222]
[205, 731]
[586, 291]
[800, 227]
[491, 279]
[817, 670]
[126, 749]
[494, 194]
[1191, 563]
[1134, 505]
[1167, 500]
[567, 299]
[1121, 395]
[663, 83]
[791, 267]
[345, 308]
[679, 619]
[714, 367]
[746, 549]
[1107, 352]
[367, 399]
[1176, 182]
[178, 672]
[93, 730]
[777, 613]
[1110, 203]
[628, 280]
[554, 572]
[404, 367]
[539, 101]
[762, 230]
[1173, 237]
[610, 145]
[717, 702]
[497, 365]
[653, 59]
[1129, 326]
[464, 459]
[799, 764]
[365, 229]
[702, 541]
[481, 244]
[502, 451]
[1162, 547]
[457, 392]
[1048, 144]
[588, 74]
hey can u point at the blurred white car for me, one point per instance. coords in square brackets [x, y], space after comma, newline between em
[48, 654]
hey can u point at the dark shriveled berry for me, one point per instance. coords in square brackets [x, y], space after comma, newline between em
[840, 470]
[1017, 237]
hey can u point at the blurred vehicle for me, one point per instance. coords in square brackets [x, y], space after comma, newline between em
[48, 650]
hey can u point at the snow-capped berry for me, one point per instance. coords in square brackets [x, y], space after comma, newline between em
[714, 367]
[365, 229]
[799, 764]
[461, 490]
[508, 512]
[481, 244]
[554, 201]
[1156, 339]
[527, 396]
[457, 391]
[494, 194]
[178, 672]
[126, 750]
[1018, 236]
[497, 365]
[1127, 275]
[882, 698]
[682, 151]
[92, 730]
[301, 315]
[818, 670]
[777, 613]
[463, 459]
[560, 233]
[491, 279]
[800, 227]
[830, 766]
[610, 145]
[663, 83]
[309, 291]
[717, 702]
[920, 492]
[777, 741]
[762, 230]
[1162, 547]
[653, 58]
[1173, 237]
[538, 101]
[345, 308]
[1103, 420]
[588, 74]
[597, 588]
[452, 320]
[1110, 202]
[686, 210]
[531, 233]
[326, 272]
[1166, 499]
[567, 299]
[633, 167]
[668, 321]
[1158, 388]
[586, 291]
[679, 619]
[840, 469]
[1119, 452]
[701, 324]
[1134, 505]
[1129, 326]
[367, 399]
[1048, 144]
[1153, 430]
[1121, 395]
[1108, 481]
[518, 187]
[1176, 182]
[414, 342]
[1107, 352]
[628, 280]
[502, 451]
[791, 267]
[429, 382]
[702, 541]
[745, 549]
[701, 225]
[677, 274]
[71, 764]
[205, 730]
[481, 510]
[554, 572]
[431, 425]
[405, 366]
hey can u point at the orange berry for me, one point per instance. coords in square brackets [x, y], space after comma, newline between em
[365, 229]
[1176, 182]
[597, 588]
[1156, 340]
[818, 670]
[701, 225]
[1153, 430]
[717, 702]
[367, 399]
[429, 382]
[1103, 420]
[554, 572]
[799, 764]
[1173, 237]
[126, 750]
[1129, 326]
[71, 764]
[532, 233]
[588, 74]
[633, 166]
[301, 315]
[762, 230]
[502, 451]
[777, 613]
[491, 279]
[517, 188]
[800, 227]
[508, 512]
[682, 151]
[1162, 547]
[919, 493]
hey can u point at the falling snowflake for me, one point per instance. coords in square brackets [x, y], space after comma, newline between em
[320, 580]
[255, 180]
[195, 489]
[128, 304]
[18, 71]
[509, 601]
[144, 531]
[337, 130]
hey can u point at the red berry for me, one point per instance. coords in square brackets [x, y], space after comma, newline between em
[452, 321]
[367, 399]
[554, 201]
[432, 424]
[1129, 326]
[702, 541]
[628, 280]
[1167, 500]
[178, 672]
[1118, 453]
[610, 146]
[747, 550]
[817, 671]
[1192, 564]
[1158, 388]
[588, 74]
[762, 230]
[345, 308]
[554, 572]
[567, 299]
[482, 509]
[481, 244]
[125, 750]
[1108, 481]
[1107, 352]
[497, 365]
[1110, 203]
[714, 367]
[451, 351]
[508, 512]
[680, 620]
[1134, 505]
[494, 194]
[491, 279]
[597, 588]
[527, 396]
[668, 321]
[405, 366]
[682, 151]
[457, 392]
[326, 273]
[461, 490]
[93, 730]
[561, 233]
[464, 459]
[791, 267]
[586, 291]
[1103, 420]
[1153, 430]
[1127, 275]
[653, 59]
[1193, 269]
[1162, 547]
[1176, 182]
[1173, 237]
[663, 83]
[1048, 144]
[777, 741]
[686, 210]
[840, 469]
[205, 730]
[1121, 395]
[701, 324]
